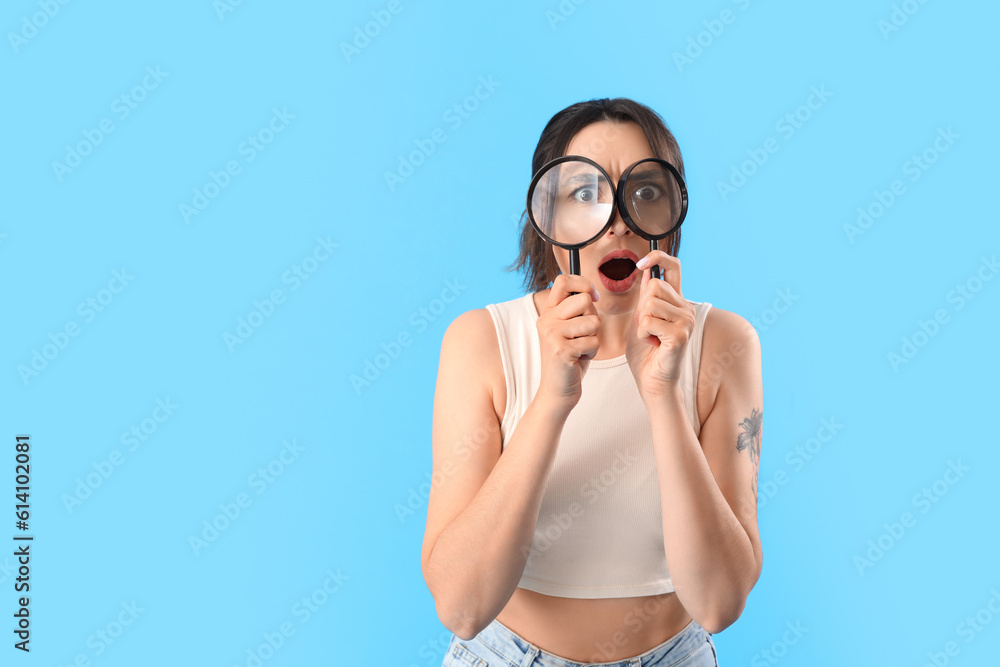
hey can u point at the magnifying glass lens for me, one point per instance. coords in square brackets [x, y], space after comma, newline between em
[653, 197]
[572, 202]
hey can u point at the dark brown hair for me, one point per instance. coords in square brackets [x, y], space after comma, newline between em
[535, 254]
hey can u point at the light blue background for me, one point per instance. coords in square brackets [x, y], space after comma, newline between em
[333, 507]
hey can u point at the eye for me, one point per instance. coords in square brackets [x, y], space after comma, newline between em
[647, 193]
[585, 195]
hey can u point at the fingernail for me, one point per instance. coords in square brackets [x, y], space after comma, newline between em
[597, 295]
[642, 263]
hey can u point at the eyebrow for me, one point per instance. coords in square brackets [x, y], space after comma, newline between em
[585, 178]
[649, 173]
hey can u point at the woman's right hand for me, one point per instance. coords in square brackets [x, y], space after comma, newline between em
[567, 335]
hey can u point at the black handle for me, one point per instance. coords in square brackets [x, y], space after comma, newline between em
[574, 263]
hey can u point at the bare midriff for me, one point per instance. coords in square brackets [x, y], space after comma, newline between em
[594, 629]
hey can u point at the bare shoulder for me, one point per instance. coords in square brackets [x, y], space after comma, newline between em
[730, 346]
[470, 342]
[470, 322]
[724, 326]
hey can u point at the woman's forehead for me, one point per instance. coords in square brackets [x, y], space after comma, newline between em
[613, 145]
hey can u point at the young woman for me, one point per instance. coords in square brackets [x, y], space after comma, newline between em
[596, 444]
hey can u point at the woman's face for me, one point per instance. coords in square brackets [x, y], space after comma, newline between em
[615, 146]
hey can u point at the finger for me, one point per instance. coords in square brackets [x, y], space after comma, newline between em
[664, 330]
[658, 291]
[654, 311]
[667, 329]
[670, 267]
[572, 307]
[669, 312]
[577, 327]
[640, 326]
[566, 284]
[575, 305]
[663, 290]
[584, 347]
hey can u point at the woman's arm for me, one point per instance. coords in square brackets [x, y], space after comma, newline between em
[483, 507]
[709, 488]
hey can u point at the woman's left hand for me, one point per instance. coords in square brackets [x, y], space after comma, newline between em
[662, 323]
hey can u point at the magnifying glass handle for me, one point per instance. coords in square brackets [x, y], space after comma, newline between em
[574, 263]
[655, 271]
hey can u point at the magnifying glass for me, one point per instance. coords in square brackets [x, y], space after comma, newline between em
[653, 201]
[571, 202]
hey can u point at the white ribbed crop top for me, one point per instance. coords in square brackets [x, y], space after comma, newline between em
[599, 532]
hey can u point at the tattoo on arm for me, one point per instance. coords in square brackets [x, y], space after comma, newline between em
[750, 439]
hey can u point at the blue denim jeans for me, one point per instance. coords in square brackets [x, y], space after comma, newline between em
[499, 646]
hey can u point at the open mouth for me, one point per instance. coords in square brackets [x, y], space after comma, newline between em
[618, 268]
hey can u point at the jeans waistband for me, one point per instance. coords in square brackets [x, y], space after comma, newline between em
[518, 651]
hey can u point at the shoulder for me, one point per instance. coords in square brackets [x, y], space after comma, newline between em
[730, 349]
[725, 329]
[473, 329]
[470, 348]
[479, 324]
[477, 328]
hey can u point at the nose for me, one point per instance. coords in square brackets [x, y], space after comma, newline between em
[618, 226]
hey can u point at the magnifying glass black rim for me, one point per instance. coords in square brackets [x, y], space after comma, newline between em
[623, 204]
[531, 191]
